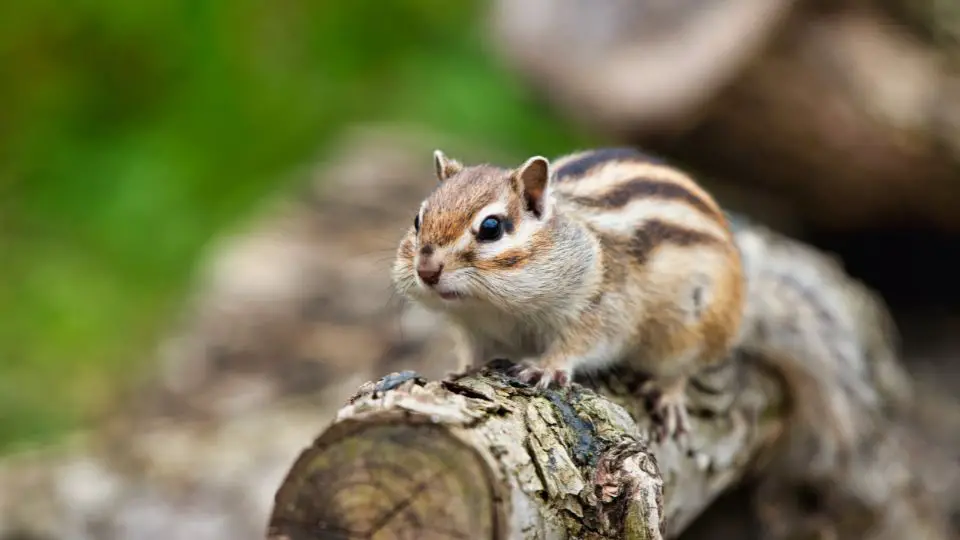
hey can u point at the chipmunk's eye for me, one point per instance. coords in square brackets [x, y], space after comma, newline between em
[491, 229]
[416, 222]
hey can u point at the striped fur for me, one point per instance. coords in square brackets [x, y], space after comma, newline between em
[653, 233]
[579, 164]
[631, 261]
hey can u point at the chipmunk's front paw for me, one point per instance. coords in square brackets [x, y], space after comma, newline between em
[543, 377]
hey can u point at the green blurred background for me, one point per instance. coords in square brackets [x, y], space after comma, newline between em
[133, 132]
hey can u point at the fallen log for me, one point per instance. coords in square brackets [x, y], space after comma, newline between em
[481, 455]
[485, 456]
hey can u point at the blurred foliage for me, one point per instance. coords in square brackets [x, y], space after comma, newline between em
[132, 132]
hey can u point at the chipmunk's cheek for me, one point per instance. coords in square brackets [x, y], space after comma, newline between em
[406, 250]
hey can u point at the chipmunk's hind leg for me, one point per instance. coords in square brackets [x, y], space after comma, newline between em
[667, 403]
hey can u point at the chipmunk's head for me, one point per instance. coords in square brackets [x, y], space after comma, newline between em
[478, 237]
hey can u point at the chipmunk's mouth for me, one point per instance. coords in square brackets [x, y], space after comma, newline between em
[448, 294]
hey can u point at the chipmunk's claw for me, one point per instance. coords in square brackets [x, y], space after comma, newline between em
[543, 377]
[668, 410]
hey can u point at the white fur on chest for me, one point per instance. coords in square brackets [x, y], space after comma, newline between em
[499, 334]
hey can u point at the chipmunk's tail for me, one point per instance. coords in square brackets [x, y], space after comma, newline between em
[830, 340]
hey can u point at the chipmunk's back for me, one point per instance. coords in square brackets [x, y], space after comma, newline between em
[671, 267]
[620, 191]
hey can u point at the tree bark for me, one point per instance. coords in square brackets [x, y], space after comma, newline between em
[485, 456]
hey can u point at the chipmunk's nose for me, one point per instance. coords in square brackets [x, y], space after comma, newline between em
[429, 271]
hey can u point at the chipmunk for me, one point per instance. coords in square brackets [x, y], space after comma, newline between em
[600, 257]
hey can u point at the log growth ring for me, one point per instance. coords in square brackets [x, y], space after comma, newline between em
[386, 480]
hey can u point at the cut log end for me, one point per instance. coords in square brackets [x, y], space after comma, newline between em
[386, 481]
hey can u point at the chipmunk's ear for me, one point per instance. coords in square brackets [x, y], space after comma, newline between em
[445, 166]
[533, 178]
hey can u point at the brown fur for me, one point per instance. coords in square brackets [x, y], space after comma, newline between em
[406, 248]
[582, 164]
[622, 194]
[514, 258]
[465, 194]
[719, 325]
[514, 210]
[654, 233]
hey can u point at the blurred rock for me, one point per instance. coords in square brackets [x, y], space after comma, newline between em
[850, 111]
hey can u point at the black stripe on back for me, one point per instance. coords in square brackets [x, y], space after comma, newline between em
[654, 233]
[622, 194]
[592, 158]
